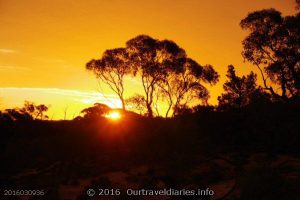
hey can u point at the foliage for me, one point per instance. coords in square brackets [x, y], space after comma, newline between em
[29, 111]
[153, 60]
[111, 69]
[166, 71]
[273, 46]
[177, 150]
[137, 103]
[96, 111]
[164, 68]
[240, 91]
[182, 110]
[182, 88]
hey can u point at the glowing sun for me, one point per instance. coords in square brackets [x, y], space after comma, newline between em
[114, 115]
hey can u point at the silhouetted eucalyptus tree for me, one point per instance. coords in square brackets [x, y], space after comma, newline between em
[153, 60]
[111, 69]
[96, 111]
[273, 46]
[137, 103]
[185, 84]
[240, 91]
[30, 111]
[165, 69]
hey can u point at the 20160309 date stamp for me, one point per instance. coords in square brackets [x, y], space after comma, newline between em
[23, 192]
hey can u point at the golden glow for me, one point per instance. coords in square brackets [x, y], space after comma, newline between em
[114, 115]
[46, 44]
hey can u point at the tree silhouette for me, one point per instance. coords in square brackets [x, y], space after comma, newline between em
[153, 59]
[273, 46]
[182, 110]
[40, 110]
[96, 111]
[111, 69]
[185, 84]
[166, 70]
[240, 91]
[15, 114]
[29, 111]
[137, 103]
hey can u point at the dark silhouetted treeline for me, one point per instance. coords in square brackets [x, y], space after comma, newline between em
[49, 154]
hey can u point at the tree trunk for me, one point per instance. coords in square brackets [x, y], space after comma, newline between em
[123, 104]
[150, 112]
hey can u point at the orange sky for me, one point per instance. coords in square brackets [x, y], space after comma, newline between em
[44, 45]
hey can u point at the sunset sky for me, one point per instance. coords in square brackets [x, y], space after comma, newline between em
[44, 45]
